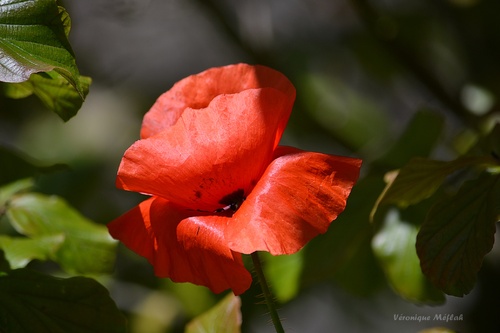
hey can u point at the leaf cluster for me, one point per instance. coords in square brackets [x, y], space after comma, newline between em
[36, 58]
[47, 228]
[458, 229]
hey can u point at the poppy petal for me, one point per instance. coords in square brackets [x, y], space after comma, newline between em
[180, 248]
[295, 200]
[197, 91]
[204, 156]
[203, 239]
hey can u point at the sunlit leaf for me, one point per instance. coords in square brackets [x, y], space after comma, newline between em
[16, 90]
[20, 251]
[87, 248]
[394, 246]
[33, 302]
[54, 91]
[33, 39]
[458, 233]
[225, 317]
[421, 177]
[7, 191]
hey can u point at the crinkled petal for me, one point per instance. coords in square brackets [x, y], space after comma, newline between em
[197, 91]
[181, 247]
[209, 153]
[295, 200]
[203, 239]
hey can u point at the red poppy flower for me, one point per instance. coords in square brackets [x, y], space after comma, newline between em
[219, 183]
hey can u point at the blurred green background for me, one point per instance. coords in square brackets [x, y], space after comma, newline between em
[363, 70]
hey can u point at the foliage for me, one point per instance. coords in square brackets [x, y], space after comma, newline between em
[459, 228]
[422, 219]
[35, 302]
[35, 41]
[79, 245]
[36, 58]
[224, 317]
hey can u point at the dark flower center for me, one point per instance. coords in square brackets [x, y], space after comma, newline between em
[232, 202]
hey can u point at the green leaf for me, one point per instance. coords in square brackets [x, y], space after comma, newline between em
[283, 274]
[54, 91]
[87, 247]
[20, 251]
[16, 90]
[33, 39]
[33, 302]
[7, 191]
[225, 317]
[15, 166]
[458, 233]
[394, 246]
[421, 177]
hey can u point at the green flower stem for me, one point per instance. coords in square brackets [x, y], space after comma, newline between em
[267, 294]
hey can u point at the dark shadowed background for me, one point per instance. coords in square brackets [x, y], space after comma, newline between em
[362, 69]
